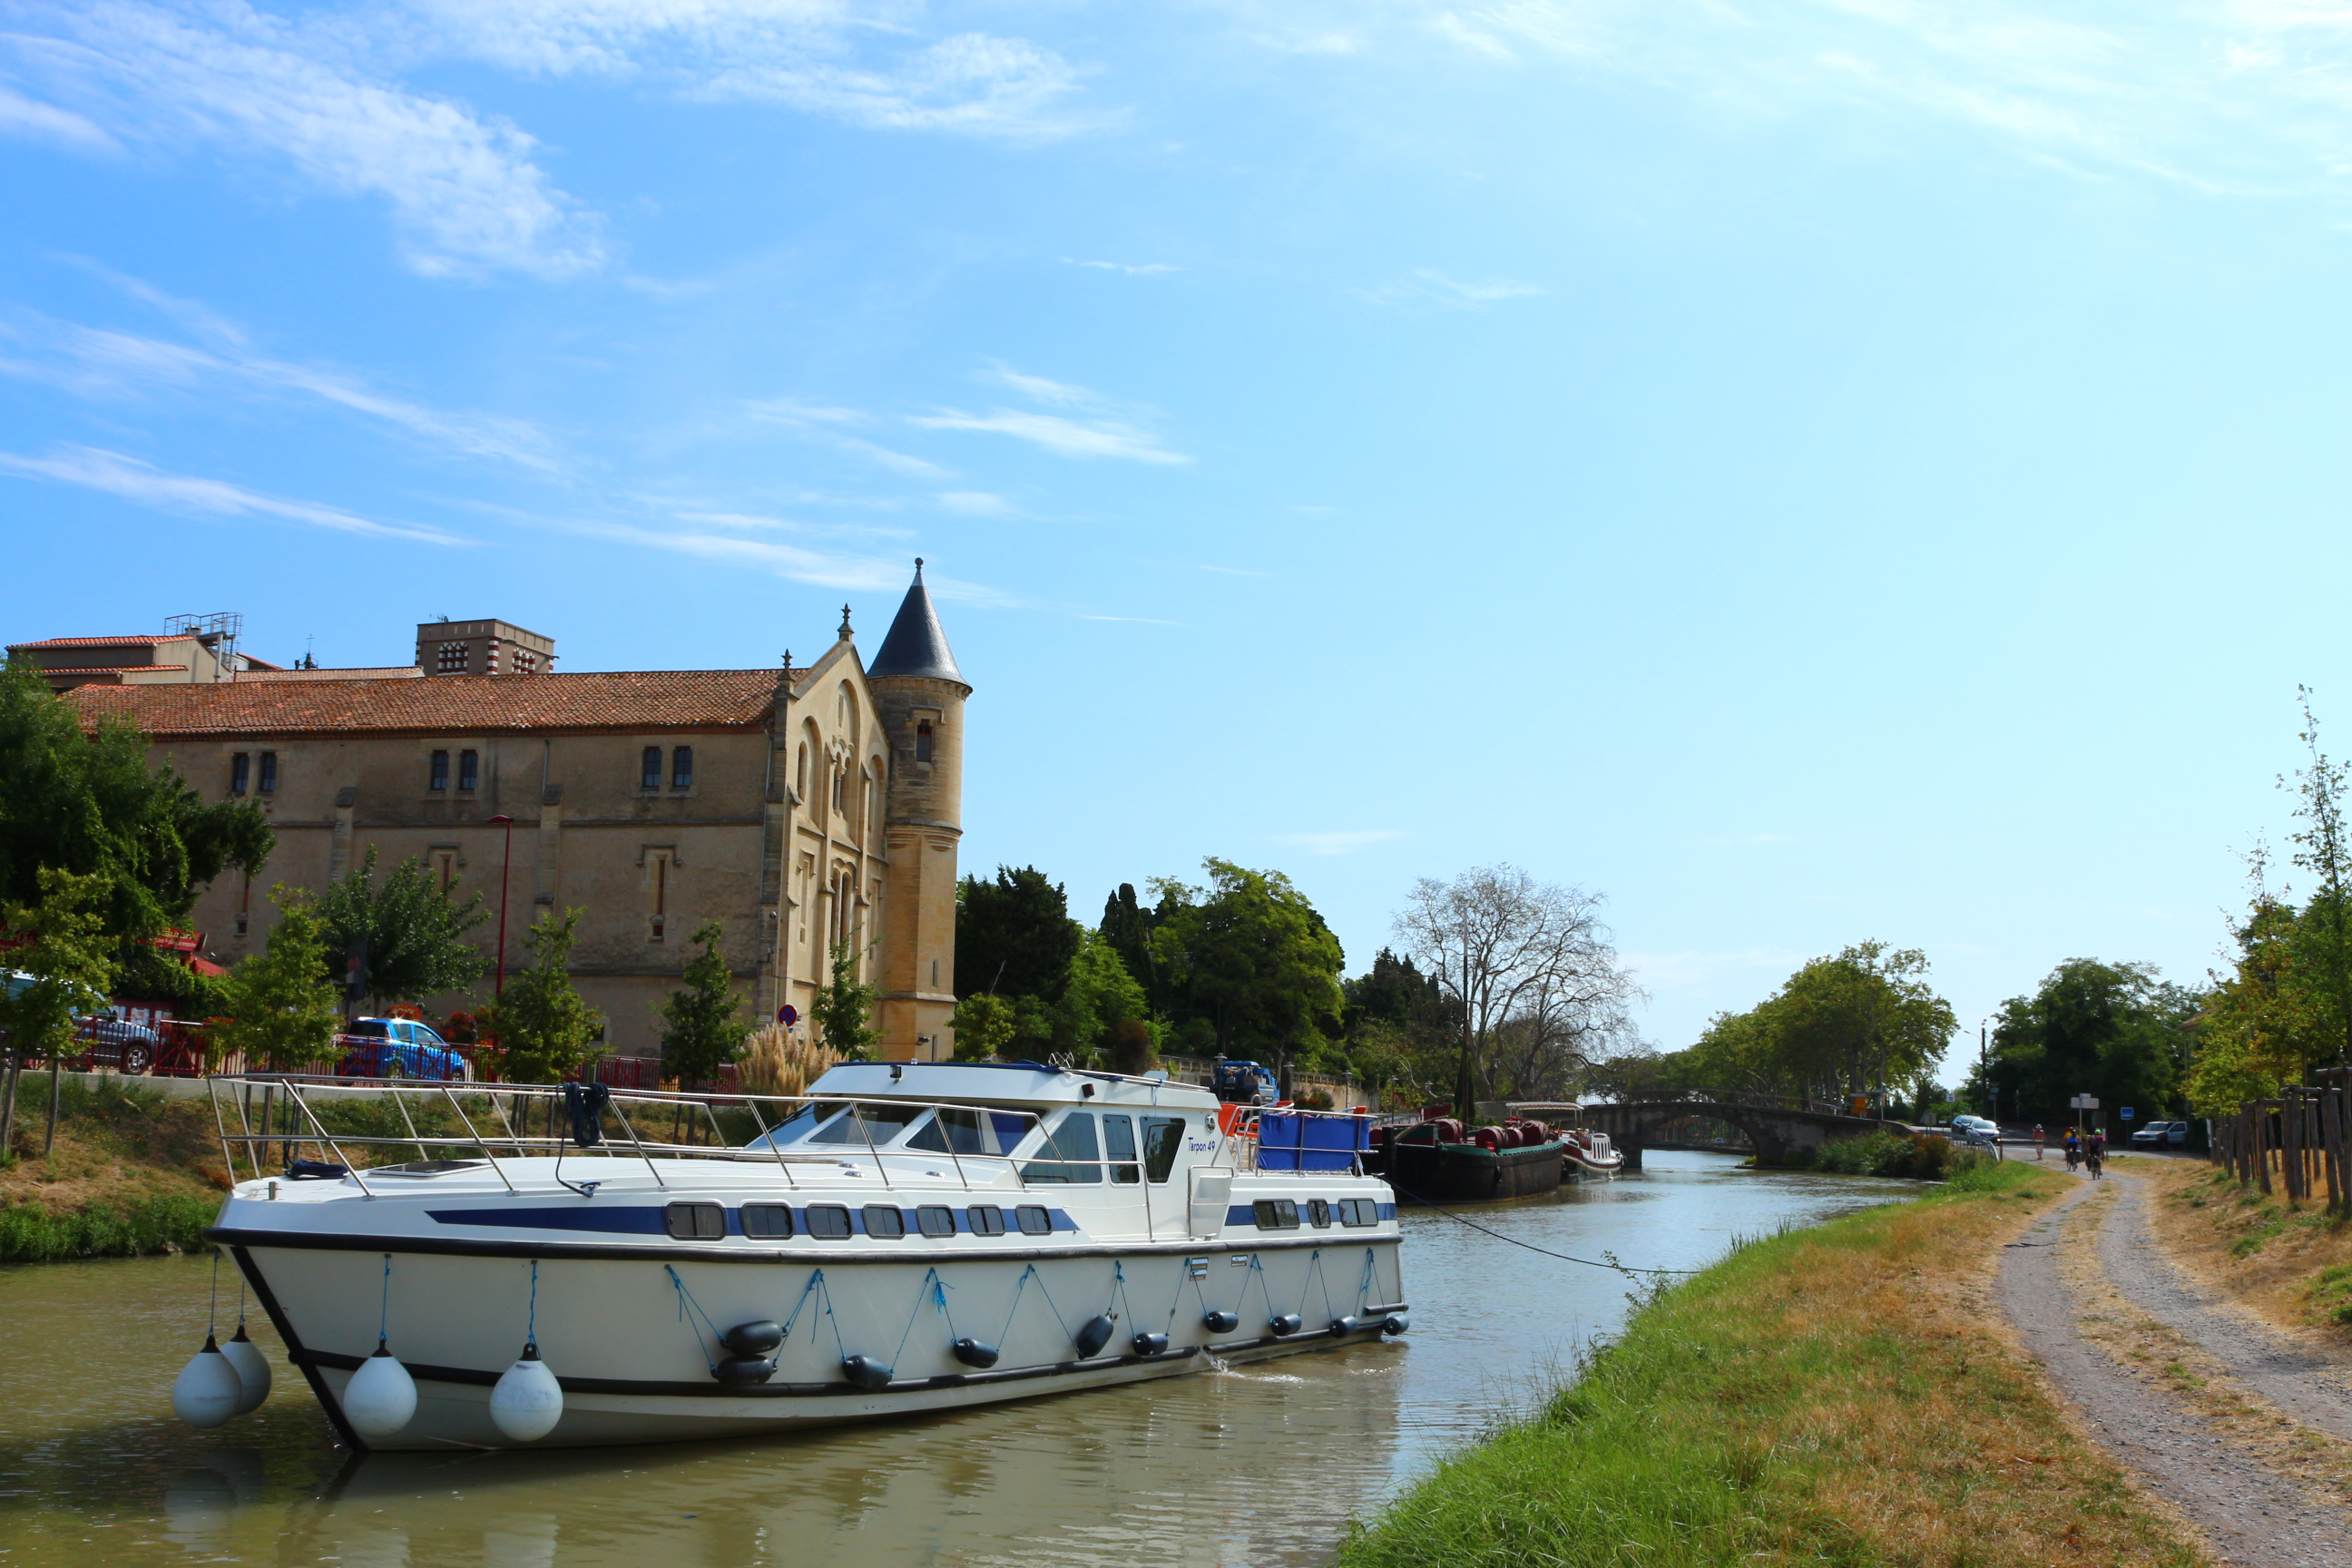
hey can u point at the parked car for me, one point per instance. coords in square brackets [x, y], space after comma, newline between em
[2161, 1135]
[110, 1042]
[397, 1048]
[117, 1043]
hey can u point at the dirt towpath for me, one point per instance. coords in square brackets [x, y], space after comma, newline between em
[2249, 1434]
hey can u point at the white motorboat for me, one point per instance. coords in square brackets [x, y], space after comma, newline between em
[905, 1238]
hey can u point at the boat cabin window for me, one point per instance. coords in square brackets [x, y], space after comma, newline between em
[830, 1221]
[1319, 1213]
[884, 1223]
[768, 1222]
[1163, 1139]
[968, 1129]
[826, 1122]
[869, 1122]
[1034, 1220]
[695, 1222]
[937, 1220]
[987, 1219]
[1076, 1153]
[1359, 1211]
[1276, 1213]
[1118, 1144]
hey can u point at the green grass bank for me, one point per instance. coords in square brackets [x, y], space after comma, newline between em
[1841, 1395]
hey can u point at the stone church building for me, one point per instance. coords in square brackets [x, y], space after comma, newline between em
[802, 808]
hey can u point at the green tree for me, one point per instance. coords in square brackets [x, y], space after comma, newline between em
[1865, 1018]
[842, 1008]
[1099, 997]
[2113, 1030]
[983, 1027]
[61, 949]
[1126, 925]
[282, 1006]
[88, 803]
[416, 933]
[1014, 936]
[702, 1021]
[1252, 958]
[2257, 1026]
[2323, 849]
[543, 1028]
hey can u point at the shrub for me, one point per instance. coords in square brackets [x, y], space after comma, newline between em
[29, 1233]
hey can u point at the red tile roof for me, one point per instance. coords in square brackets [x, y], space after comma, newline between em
[442, 704]
[139, 640]
[101, 668]
[372, 672]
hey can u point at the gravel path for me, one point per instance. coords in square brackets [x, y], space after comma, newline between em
[2312, 1382]
[2250, 1514]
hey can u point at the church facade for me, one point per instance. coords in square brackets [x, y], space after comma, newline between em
[809, 810]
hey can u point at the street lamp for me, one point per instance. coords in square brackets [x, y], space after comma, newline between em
[507, 823]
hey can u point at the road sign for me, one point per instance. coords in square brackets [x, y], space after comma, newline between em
[2085, 1102]
[2124, 1113]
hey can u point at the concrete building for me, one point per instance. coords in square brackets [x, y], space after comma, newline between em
[192, 650]
[803, 808]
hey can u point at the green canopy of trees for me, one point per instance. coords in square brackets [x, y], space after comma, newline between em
[91, 805]
[1842, 1025]
[417, 941]
[543, 1028]
[281, 1008]
[2113, 1030]
[703, 1024]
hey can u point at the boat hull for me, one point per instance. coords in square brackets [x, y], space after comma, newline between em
[631, 1342]
[1465, 1172]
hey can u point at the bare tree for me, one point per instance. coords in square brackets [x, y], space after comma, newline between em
[1533, 970]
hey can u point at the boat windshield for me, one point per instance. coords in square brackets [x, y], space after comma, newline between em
[832, 1123]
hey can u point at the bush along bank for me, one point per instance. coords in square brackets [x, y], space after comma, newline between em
[1828, 1396]
[165, 1223]
[1911, 1156]
[133, 1171]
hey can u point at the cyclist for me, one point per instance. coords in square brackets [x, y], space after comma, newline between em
[2073, 1151]
[2094, 1152]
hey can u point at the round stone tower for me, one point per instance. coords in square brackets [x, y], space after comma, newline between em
[920, 694]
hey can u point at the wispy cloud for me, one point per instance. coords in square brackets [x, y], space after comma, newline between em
[95, 469]
[824, 425]
[465, 188]
[1343, 841]
[102, 362]
[1133, 270]
[1097, 427]
[1231, 571]
[1424, 286]
[2246, 96]
[977, 503]
[324, 95]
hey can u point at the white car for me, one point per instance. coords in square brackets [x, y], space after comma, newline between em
[1977, 1128]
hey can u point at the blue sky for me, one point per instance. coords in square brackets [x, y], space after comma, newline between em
[1811, 471]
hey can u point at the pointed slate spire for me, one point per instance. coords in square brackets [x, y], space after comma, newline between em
[916, 645]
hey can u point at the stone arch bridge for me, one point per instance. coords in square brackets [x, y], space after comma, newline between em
[1778, 1125]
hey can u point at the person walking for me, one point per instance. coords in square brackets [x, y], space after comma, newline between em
[2038, 1142]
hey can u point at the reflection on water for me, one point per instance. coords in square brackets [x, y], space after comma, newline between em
[1260, 1464]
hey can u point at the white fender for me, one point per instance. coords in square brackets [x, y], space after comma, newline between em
[252, 1370]
[207, 1391]
[381, 1397]
[528, 1401]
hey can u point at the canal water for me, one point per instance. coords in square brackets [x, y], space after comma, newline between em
[1260, 1465]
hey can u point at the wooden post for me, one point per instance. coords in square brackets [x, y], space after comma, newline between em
[2291, 1144]
[2262, 1141]
[2331, 1139]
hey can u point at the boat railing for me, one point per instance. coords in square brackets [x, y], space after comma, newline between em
[253, 1114]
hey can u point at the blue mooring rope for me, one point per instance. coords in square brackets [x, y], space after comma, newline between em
[384, 1309]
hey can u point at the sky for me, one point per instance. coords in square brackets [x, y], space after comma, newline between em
[1808, 471]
